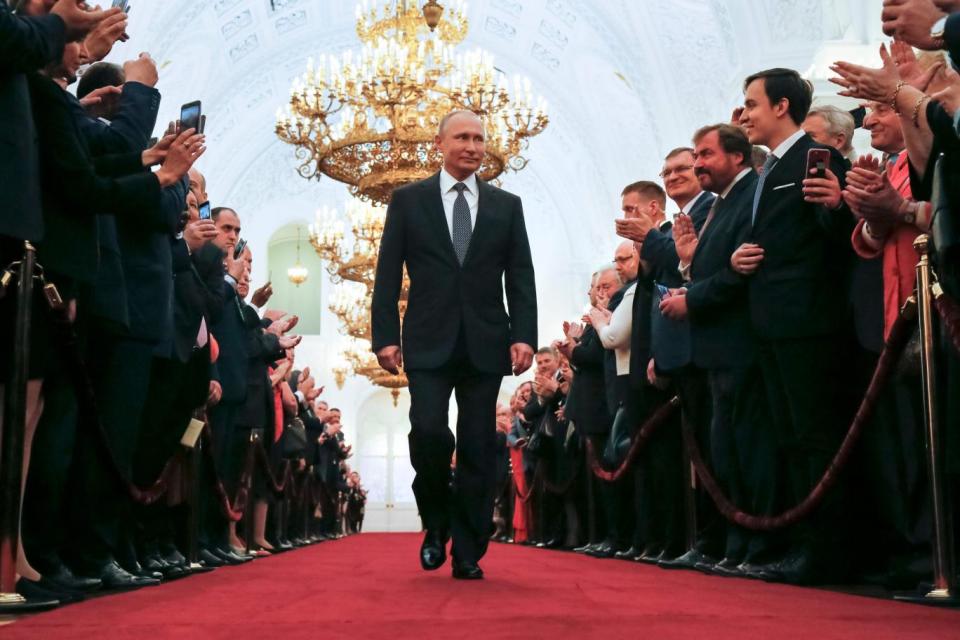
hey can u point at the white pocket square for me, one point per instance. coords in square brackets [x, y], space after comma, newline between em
[783, 186]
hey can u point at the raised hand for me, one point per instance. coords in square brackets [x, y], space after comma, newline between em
[142, 70]
[684, 237]
[825, 190]
[183, 152]
[78, 18]
[910, 21]
[101, 39]
[198, 232]
[262, 295]
[100, 95]
[905, 58]
[877, 85]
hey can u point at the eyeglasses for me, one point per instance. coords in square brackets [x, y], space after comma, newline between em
[666, 173]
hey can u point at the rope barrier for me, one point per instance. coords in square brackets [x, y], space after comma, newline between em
[644, 434]
[526, 497]
[561, 489]
[899, 336]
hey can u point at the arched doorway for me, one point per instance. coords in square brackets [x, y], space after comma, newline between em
[383, 460]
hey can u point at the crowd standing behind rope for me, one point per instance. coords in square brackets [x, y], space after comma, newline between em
[744, 397]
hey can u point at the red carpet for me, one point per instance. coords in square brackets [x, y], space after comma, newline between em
[371, 586]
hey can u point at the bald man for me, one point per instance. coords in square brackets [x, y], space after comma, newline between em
[461, 240]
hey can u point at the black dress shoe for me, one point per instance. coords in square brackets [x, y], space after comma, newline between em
[433, 551]
[154, 563]
[467, 571]
[209, 558]
[553, 543]
[627, 554]
[584, 548]
[229, 557]
[62, 579]
[688, 560]
[113, 576]
[650, 555]
[173, 557]
[33, 590]
[766, 572]
[728, 568]
[603, 550]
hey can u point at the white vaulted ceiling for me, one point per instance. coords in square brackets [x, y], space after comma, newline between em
[626, 80]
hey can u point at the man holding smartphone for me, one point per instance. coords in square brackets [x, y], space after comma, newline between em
[796, 258]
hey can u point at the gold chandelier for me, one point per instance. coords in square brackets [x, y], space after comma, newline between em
[368, 119]
[298, 274]
[353, 269]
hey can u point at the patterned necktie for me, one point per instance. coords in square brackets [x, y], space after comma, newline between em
[462, 227]
[767, 166]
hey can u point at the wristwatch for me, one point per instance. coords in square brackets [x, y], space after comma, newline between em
[936, 32]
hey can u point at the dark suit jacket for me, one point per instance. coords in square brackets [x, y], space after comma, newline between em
[130, 129]
[231, 365]
[75, 189]
[800, 288]
[262, 350]
[717, 296]
[659, 251]
[586, 402]
[445, 297]
[199, 293]
[26, 45]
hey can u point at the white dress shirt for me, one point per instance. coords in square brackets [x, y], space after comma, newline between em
[784, 146]
[687, 208]
[449, 195]
[616, 335]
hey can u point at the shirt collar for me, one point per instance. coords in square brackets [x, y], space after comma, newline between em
[447, 181]
[687, 207]
[785, 146]
[730, 186]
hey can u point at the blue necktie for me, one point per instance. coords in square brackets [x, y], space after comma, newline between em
[461, 223]
[767, 166]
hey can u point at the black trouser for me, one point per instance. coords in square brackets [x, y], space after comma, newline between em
[698, 406]
[803, 382]
[468, 510]
[121, 378]
[176, 390]
[213, 529]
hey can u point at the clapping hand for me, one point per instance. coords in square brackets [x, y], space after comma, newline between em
[911, 20]
[949, 98]
[262, 295]
[98, 96]
[684, 237]
[908, 67]
[635, 229]
[545, 386]
[281, 326]
[573, 330]
[599, 317]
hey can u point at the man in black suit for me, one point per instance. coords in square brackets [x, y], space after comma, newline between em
[732, 437]
[460, 239]
[797, 256]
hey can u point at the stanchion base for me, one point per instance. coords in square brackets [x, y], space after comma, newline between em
[14, 603]
[934, 597]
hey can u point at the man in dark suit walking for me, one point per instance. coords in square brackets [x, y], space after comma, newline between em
[797, 256]
[461, 240]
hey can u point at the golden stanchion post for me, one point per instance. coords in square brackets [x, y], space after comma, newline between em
[11, 446]
[943, 591]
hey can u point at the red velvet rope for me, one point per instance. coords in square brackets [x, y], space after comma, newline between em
[639, 440]
[561, 489]
[949, 312]
[899, 336]
[526, 497]
[264, 464]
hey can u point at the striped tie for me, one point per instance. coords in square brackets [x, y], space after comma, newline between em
[461, 223]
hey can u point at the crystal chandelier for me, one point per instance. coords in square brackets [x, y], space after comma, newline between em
[368, 118]
[297, 274]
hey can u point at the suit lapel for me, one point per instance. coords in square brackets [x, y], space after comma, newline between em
[784, 169]
[432, 202]
[732, 201]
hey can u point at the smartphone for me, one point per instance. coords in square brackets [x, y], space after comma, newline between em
[238, 250]
[662, 291]
[190, 116]
[203, 123]
[123, 4]
[205, 210]
[817, 162]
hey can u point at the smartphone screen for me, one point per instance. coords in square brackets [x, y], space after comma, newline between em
[238, 250]
[817, 160]
[190, 116]
[205, 210]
